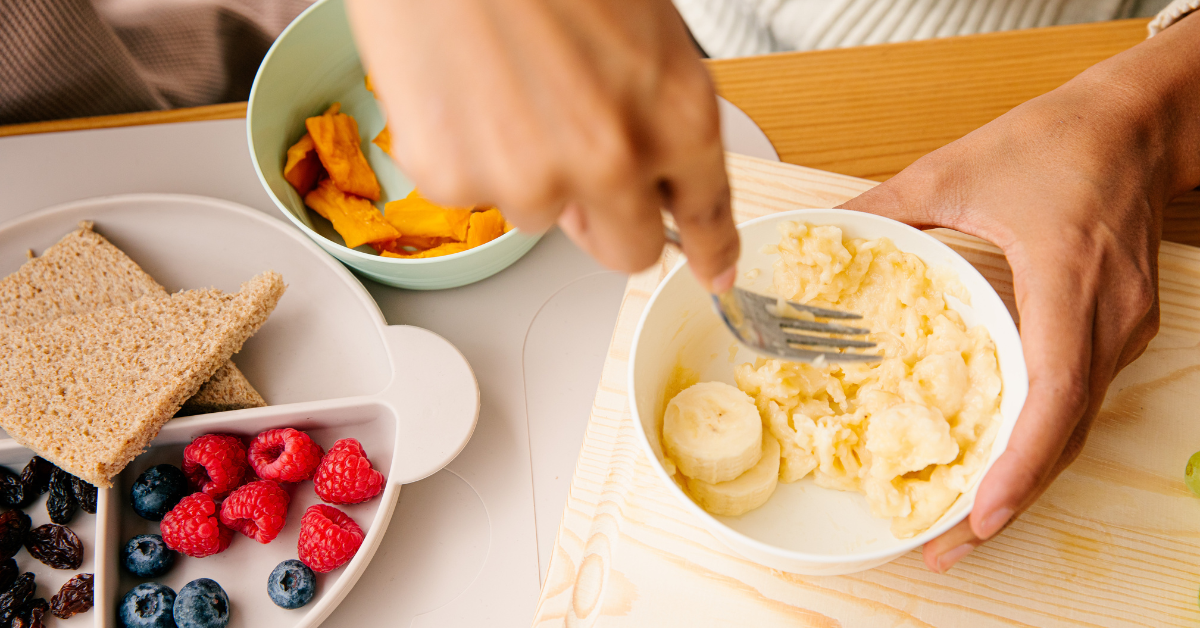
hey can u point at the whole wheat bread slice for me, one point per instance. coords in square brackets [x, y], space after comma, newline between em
[89, 392]
[85, 272]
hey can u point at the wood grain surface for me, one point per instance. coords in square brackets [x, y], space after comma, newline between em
[872, 110]
[1114, 542]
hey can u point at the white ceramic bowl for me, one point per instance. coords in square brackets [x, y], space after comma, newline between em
[803, 528]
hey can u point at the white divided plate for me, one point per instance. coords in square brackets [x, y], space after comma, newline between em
[326, 360]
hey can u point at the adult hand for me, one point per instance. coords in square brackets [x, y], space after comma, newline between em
[1071, 187]
[594, 113]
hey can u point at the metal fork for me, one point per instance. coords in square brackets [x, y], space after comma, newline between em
[754, 320]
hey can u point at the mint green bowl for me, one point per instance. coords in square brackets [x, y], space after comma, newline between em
[314, 63]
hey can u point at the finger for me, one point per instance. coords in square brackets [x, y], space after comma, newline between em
[915, 197]
[701, 207]
[625, 233]
[685, 145]
[1056, 333]
[952, 546]
[425, 144]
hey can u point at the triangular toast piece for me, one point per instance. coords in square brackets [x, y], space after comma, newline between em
[85, 272]
[89, 392]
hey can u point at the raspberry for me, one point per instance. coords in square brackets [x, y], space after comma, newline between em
[215, 464]
[345, 475]
[284, 455]
[328, 538]
[257, 509]
[193, 528]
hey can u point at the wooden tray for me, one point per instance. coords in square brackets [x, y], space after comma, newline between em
[1114, 542]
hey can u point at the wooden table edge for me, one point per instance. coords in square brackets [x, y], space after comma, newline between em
[227, 111]
[223, 111]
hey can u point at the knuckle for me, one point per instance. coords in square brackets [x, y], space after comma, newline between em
[1137, 297]
[714, 214]
[1151, 323]
[536, 189]
[1142, 294]
[636, 259]
[687, 106]
[1075, 391]
[1072, 449]
[695, 114]
[613, 161]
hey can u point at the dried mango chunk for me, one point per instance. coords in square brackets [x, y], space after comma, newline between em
[384, 140]
[448, 248]
[367, 83]
[354, 218]
[485, 227]
[335, 136]
[415, 215]
[303, 167]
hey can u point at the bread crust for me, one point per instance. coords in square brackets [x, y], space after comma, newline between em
[89, 391]
[83, 272]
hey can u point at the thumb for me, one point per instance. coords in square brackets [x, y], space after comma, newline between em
[1056, 334]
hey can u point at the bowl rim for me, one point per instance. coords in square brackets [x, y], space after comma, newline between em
[714, 524]
[342, 249]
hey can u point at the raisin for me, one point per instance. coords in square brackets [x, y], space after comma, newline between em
[8, 574]
[55, 545]
[12, 492]
[31, 613]
[35, 477]
[14, 527]
[85, 495]
[15, 597]
[74, 597]
[62, 504]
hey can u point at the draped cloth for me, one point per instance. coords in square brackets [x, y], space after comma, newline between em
[736, 28]
[73, 58]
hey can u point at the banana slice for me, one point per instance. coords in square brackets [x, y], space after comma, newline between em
[745, 493]
[713, 432]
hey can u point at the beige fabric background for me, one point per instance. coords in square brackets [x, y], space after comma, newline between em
[72, 58]
[735, 28]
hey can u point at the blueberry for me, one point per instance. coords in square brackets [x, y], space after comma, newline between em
[146, 555]
[148, 605]
[291, 584]
[202, 603]
[157, 490]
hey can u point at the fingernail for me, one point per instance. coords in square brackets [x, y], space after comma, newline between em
[994, 522]
[724, 281]
[949, 559]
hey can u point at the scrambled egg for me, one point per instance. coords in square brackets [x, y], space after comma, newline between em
[910, 432]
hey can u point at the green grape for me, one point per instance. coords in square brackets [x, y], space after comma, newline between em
[1192, 473]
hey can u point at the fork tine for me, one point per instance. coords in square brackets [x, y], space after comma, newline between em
[810, 356]
[825, 341]
[821, 312]
[829, 328]
[815, 311]
[753, 320]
